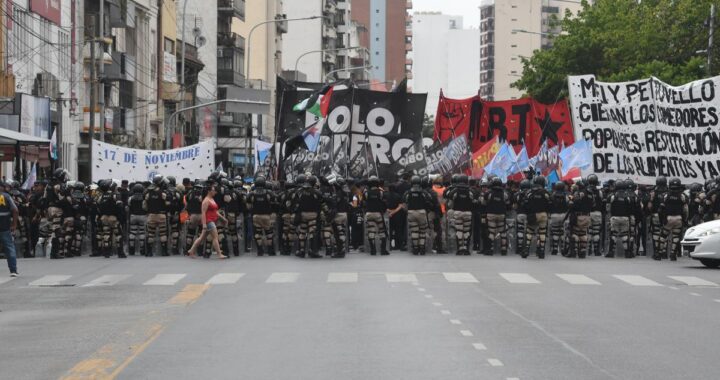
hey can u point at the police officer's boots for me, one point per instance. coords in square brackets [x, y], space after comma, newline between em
[131, 250]
[373, 251]
[540, 250]
[121, 253]
[328, 250]
[164, 249]
[383, 247]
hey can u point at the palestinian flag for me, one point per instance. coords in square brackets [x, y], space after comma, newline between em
[319, 106]
[318, 103]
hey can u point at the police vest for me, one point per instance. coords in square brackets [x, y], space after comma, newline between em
[416, 199]
[462, 199]
[155, 203]
[260, 200]
[495, 200]
[107, 204]
[135, 205]
[559, 203]
[620, 204]
[374, 201]
[674, 202]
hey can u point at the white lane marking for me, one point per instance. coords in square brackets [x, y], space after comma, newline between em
[695, 294]
[445, 312]
[421, 289]
[495, 362]
[693, 281]
[466, 333]
[672, 287]
[459, 277]
[479, 346]
[108, 280]
[342, 277]
[717, 300]
[636, 280]
[578, 279]
[7, 279]
[428, 296]
[401, 277]
[165, 279]
[50, 280]
[224, 279]
[519, 278]
[282, 277]
[438, 304]
[455, 322]
[513, 378]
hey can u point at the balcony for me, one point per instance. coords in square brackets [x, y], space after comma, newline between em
[235, 8]
[408, 47]
[231, 40]
[231, 77]
[329, 31]
[409, 75]
[330, 6]
[122, 67]
[408, 32]
[329, 57]
[343, 5]
[408, 4]
[408, 61]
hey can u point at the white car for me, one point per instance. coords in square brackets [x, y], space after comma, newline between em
[702, 242]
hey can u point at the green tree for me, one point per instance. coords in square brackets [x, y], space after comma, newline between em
[621, 40]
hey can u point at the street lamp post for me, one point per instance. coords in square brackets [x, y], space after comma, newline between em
[297, 61]
[247, 75]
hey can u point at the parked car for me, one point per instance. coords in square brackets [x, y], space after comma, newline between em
[702, 242]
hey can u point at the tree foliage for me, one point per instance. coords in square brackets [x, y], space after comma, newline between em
[621, 40]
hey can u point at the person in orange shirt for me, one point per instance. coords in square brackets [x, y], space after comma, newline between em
[438, 190]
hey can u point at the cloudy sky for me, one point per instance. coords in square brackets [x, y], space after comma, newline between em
[466, 8]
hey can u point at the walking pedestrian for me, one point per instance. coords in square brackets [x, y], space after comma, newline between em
[8, 222]
[210, 217]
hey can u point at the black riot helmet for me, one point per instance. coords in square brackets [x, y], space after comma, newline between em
[415, 180]
[312, 181]
[138, 188]
[104, 184]
[676, 184]
[79, 186]
[621, 185]
[525, 184]
[425, 181]
[260, 182]
[455, 179]
[661, 182]
[696, 188]
[373, 181]
[340, 181]
[60, 175]
[462, 179]
[300, 180]
[581, 184]
[559, 186]
[225, 182]
[496, 183]
[593, 180]
[237, 183]
[158, 180]
[630, 184]
[171, 180]
[539, 181]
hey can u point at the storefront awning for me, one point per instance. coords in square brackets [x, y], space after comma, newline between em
[8, 137]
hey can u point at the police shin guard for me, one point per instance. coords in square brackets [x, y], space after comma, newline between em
[164, 249]
[373, 251]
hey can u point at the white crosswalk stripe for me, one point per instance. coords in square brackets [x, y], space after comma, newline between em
[6, 279]
[165, 279]
[401, 277]
[693, 281]
[108, 280]
[519, 278]
[342, 277]
[224, 278]
[459, 277]
[282, 277]
[578, 279]
[50, 280]
[636, 280]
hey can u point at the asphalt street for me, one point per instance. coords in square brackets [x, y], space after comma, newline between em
[363, 317]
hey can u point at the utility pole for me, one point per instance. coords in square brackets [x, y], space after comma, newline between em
[710, 40]
[93, 83]
[59, 130]
[101, 71]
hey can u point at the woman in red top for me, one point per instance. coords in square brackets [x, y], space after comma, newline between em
[210, 217]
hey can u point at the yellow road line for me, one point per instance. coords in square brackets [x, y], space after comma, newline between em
[113, 358]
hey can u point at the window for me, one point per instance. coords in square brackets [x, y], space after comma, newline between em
[513, 45]
[551, 9]
[169, 46]
[64, 53]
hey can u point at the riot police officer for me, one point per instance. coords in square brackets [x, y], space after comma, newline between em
[537, 205]
[234, 207]
[521, 216]
[109, 207]
[52, 202]
[260, 203]
[596, 215]
[673, 213]
[559, 206]
[375, 208]
[418, 203]
[308, 203]
[656, 197]
[496, 203]
[175, 200]
[462, 201]
[581, 205]
[620, 211]
[157, 205]
[81, 212]
[328, 209]
[138, 220]
[287, 207]
[340, 222]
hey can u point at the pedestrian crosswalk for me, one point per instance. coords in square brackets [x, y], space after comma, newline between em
[398, 278]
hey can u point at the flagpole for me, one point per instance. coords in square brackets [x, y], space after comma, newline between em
[349, 138]
[278, 125]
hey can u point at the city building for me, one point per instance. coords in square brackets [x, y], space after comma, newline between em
[319, 47]
[386, 31]
[520, 27]
[445, 57]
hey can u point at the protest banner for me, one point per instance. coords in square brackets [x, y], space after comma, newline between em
[645, 128]
[112, 161]
[449, 157]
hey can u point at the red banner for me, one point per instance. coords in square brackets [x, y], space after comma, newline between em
[516, 121]
[49, 9]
